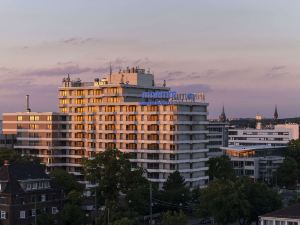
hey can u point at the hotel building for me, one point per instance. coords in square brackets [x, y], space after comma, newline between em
[163, 130]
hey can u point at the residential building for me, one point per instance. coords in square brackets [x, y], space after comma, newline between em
[287, 216]
[163, 130]
[25, 192]
[278, 135]
[257, 162]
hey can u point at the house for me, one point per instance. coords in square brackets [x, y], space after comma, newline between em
[25, 192]
[286, 216]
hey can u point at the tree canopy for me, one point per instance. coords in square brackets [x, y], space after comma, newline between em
[174, 218]
[286, 175]
[175, 193]
[220, 168]
[66, 181]
[122, 190]
[241, 200]
[13, 156]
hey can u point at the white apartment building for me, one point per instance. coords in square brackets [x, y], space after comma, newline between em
[163, 130]
[280, 135]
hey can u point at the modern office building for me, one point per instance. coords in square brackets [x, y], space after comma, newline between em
[163, 130]
[25, 192]
[278, 135]
[257, 162]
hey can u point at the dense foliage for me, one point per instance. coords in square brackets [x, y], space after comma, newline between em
[240, 200]
[220, 168]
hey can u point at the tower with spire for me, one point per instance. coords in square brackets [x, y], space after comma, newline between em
[276, 113]
[222, 117]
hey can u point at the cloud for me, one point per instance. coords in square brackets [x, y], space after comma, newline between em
[58, 71]
[193, 88]
[277, 72]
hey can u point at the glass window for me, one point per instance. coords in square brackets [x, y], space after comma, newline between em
[33, 212]
[43, 198]
[34, 185]
[54, 210]
[3, 215]
[20, 118]
[279, 222]
[28, 186]
[22, 214]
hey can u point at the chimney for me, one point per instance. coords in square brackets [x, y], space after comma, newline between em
[27, 104]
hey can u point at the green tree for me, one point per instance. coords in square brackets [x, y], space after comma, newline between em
[73, 214]
[261, 198]
[109, 169]
[123, 221]
[220, 168]
[66, 181]
[174, 218]
[125, 192]
[241, 200]
[13, 156]
[45, 219]
[293, 150]
[175, 194]
[286, 175]
[223, 202]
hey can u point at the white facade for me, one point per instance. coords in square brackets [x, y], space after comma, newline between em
[280, 135]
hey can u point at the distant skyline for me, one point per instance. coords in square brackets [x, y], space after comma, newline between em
[243, 54]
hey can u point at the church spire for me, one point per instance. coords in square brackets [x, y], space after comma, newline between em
[222, 117]
[276, 113]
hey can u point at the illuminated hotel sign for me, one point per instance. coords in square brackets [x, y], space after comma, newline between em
[170, 97]
[159, 94]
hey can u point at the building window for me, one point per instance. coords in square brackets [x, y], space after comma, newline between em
[268, 222]
[54, 210]
[43, 198]
[22, 214]
[20, 118]
[33, 212]
[34, 185]
[290, 223]
[3, 215]
[34, 118]
[28, 186]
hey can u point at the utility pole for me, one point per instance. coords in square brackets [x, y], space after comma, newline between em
[96, 208]
[107, 216]
[150, 193]
[35, 219]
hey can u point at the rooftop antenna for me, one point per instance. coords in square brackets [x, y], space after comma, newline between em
[110, 72]
[27, 104]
